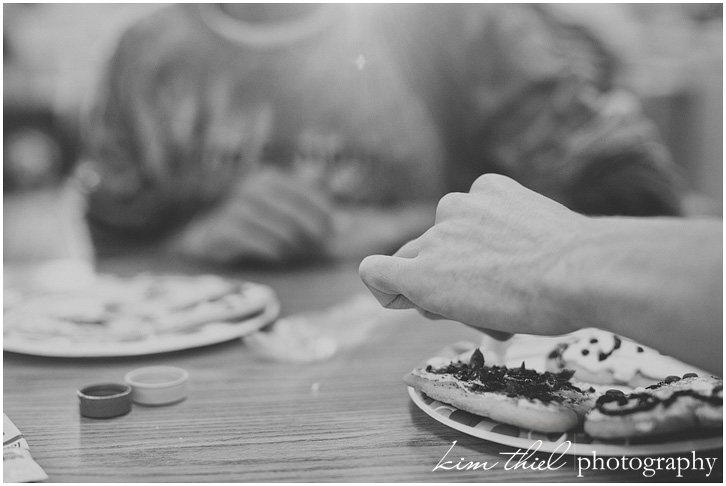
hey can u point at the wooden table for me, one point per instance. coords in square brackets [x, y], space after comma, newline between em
[348, 419]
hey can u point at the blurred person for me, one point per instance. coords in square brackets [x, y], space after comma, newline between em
[507, 260]
[39, 147]
[46, 242]
[43, 208]
[278, 132]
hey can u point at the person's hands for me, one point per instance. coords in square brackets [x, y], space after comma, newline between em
[273, 217]
[493, 260]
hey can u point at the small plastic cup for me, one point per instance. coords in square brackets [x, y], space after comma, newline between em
[105, 400]
[158, 385]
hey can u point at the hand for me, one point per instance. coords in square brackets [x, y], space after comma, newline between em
[273, 217]
[492, 261]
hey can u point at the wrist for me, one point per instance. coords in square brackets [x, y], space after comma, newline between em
[565, 291]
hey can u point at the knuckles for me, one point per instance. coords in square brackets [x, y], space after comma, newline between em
[491, 186]
[490, 182]
[449, 205]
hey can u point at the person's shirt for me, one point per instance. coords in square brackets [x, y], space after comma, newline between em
[382, 102]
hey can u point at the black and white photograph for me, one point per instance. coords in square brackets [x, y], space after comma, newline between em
[363, 242]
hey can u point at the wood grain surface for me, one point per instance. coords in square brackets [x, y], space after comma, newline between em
[348, 419]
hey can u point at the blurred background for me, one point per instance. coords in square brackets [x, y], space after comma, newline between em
[672, 59]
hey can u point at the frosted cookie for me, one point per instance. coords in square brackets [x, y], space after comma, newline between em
[603, 358]
[674, 405]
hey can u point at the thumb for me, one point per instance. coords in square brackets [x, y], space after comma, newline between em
[383, 277]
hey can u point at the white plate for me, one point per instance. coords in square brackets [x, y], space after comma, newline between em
[580, 443]
[213, 333]
[197, 336]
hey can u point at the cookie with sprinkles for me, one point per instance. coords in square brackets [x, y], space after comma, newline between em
[544, 402]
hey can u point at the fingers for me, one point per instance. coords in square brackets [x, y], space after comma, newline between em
[230, 243]
[431, 315]
[300, 194]
[256, 231]
[449, 206]
[488, 182]
[296, 231]
[384, 276]
[290, 217]
[498, 335]
[457, 204]
[279, 239]
[409, 250]
[400, 302]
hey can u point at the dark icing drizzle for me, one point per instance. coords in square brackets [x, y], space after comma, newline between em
[514, 382]
[617, 343]
[641, 402]
[557, 352]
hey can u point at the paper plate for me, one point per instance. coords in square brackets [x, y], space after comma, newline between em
[579, 443]
[264, 309]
